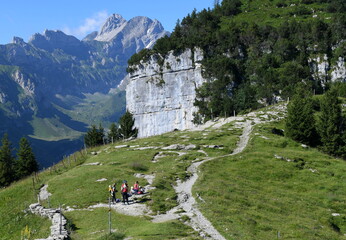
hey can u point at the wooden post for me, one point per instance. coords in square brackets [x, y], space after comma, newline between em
[33, 186]
[60, 224]
[109, 216]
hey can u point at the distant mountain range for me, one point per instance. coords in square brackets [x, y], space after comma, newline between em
[54, 86]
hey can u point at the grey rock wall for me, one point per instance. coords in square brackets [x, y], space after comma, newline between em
[161, 96]
[323, 70]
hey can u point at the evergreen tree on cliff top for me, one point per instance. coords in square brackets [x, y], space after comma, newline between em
[330, 125]
[6, 162]
[127, 123]
[26, 161]
[300, 122]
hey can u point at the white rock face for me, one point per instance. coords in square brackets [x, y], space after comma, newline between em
[322, 70]
[111, 28]
[339, 71]
[2, 97]
[25, 83]
[161, 97]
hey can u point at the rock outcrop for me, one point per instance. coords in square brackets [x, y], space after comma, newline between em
[161, 92]
[323, 70]
[339, 70]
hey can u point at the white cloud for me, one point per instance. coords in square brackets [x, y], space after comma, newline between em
[90, 24]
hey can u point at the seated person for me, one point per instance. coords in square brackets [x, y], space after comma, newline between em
[141, 190]
[135, 188]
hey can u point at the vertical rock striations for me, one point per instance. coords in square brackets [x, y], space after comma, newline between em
[324, 70]
[162, 90]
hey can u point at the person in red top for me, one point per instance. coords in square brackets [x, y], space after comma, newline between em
[124, 191]
[136, 188]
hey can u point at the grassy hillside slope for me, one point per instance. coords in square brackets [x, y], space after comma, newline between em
[275, 187]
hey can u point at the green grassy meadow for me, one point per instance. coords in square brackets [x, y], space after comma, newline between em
[256, 195]
[251, 195]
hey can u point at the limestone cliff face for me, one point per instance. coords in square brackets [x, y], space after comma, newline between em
[161, 92]
[324, 71]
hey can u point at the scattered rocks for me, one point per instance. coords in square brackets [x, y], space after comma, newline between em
[121, 146]
[174, 147]
[283, 158]
[92, 164]
[149, 178]
[101, 180]
[44, 194]
[213, 146]
[146, 148]
[190, 147]
[158, 156]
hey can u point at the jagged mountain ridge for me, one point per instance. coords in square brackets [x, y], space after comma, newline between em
[48, 77]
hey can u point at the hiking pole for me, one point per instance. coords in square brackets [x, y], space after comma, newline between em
[109, 216]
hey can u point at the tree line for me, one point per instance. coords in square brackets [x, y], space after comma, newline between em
[318, 122]
[124, 130]
[14, 168]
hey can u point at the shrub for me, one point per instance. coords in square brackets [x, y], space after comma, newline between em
[138, 166]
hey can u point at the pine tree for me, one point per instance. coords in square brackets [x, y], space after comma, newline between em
[94, 136]
[127, 123]
[26, 161]
[113, 134]
[300, 121]
[330, 124]
[6, 162]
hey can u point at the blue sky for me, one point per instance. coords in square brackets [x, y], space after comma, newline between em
[23, 18]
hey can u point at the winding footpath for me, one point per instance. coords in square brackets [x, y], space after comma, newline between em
[184, 189]
[188, 203]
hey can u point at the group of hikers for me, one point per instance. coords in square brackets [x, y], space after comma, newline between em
[125, 192]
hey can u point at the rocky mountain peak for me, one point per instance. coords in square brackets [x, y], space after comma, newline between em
[113, 22]
[113, 25]
[18, 40]
[56, 39]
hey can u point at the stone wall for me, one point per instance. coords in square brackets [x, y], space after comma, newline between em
[58, 231]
